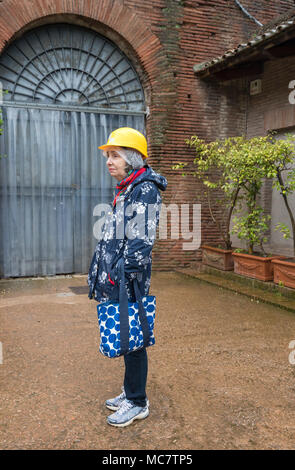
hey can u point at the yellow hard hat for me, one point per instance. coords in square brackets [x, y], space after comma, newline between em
[127, 137]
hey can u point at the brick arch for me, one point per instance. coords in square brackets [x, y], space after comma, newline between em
[125, 27]
[16, 18]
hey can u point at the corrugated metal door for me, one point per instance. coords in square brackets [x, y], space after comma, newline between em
[68, 89]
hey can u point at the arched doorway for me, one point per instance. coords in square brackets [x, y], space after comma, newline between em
[68, 88]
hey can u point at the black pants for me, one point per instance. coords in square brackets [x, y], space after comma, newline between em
[136, 367]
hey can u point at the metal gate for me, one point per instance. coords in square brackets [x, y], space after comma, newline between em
[68, 88]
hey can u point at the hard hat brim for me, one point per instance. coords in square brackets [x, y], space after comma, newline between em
[106, 146]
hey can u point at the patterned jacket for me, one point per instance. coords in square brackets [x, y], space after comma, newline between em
[129, 232]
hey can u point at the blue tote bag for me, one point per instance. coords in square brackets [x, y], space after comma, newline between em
[126, 326]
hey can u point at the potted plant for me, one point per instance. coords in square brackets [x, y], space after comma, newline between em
[251, 227]
[257, 156]
[284, 181]
[216, 166]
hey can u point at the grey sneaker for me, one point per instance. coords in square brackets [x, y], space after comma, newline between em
[115, 403]
[127, 413]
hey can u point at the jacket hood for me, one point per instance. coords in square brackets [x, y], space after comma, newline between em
[152, 175]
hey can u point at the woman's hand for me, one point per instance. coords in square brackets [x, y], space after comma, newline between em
[108, 287]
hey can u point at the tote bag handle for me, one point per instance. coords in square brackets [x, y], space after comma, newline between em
[124, 315]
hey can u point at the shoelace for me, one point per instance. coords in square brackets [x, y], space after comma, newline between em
[126, 405]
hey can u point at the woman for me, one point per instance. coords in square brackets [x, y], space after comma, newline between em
[128, 234]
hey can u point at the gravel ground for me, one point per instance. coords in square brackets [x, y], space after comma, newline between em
[219, 374]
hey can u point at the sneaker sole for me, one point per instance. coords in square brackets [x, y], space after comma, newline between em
[115, 408]
[142, 415]
[112, 407]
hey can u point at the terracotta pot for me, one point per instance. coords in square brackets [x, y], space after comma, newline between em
[217, 257]
[284, 271]
[254, 266]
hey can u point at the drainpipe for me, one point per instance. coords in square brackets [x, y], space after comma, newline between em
[247, 13]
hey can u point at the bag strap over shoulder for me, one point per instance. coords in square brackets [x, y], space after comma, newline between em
[124, 314]
[142, 314]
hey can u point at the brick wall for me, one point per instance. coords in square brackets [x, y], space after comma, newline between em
[255, 115]
[164, 39]
[238, 112]
[271, 108]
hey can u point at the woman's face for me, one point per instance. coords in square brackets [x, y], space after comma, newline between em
[116, 165]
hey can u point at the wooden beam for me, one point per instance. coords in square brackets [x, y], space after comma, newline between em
[283, 50]
[239, 71]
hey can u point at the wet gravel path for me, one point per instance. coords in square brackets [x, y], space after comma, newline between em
[219, 374]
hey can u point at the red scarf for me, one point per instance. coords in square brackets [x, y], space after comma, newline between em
[122, 186]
